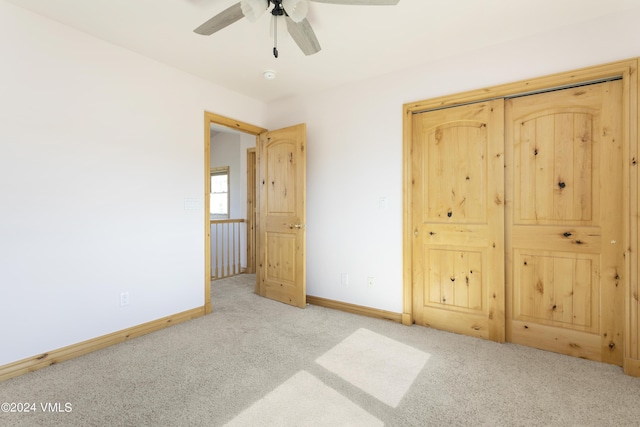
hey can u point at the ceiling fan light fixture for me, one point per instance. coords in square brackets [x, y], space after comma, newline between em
[253, 9]
[296, 9]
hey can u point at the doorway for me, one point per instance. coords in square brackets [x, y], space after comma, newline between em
[237, 126]
[278, 209]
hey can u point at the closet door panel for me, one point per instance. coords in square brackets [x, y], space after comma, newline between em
[458, 219]
[564, 221]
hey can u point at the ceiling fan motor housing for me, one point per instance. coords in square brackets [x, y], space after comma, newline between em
[277, 10]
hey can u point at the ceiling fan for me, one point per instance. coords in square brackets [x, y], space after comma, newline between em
[294, 12]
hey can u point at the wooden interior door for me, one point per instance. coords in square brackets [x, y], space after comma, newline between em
[281, 271]
[564, 221]
[458, 219]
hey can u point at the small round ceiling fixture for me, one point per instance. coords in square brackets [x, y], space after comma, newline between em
[269, 74]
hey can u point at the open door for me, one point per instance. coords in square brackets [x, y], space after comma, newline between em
[282, 192]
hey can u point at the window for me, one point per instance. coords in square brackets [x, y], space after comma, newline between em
[219, 198]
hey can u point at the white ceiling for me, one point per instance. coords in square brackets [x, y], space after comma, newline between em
[358, 42]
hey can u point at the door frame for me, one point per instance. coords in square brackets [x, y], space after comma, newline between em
[627, 71]
[212, 118]
[252, 209]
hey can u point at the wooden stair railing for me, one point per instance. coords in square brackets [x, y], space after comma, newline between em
[225, 247]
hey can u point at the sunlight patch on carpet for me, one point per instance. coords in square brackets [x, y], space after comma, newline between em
[304, 400]
[380, 366]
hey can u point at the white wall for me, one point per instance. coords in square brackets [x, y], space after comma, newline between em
[354, 148]
[99, 147]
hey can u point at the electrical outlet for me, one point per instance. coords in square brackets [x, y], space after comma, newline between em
[124, 299]
[370, 282]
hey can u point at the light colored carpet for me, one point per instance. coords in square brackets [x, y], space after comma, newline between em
[304, 400]
[258, 362]
[380, 366]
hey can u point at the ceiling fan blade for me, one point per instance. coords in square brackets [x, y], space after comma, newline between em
[303, 35]
[360, 2]
[221, 20]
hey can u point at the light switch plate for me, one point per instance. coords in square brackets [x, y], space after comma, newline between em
[382, 203]
[191, 204]
[344, 278]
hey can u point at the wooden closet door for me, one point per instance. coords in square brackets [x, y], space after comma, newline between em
[458, 219]
[565, 260]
